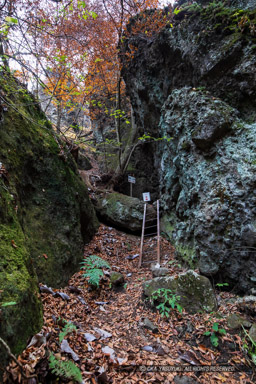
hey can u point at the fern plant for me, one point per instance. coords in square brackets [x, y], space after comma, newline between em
[69, 328]
[93, 269]
[65, 369]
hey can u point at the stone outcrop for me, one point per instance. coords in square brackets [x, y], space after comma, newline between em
[194, 85]
[122, 211]
[194, 291]
[45, 212]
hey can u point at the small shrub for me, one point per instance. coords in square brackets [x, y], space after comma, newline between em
[215, 333]
[93, 269]
[221, 285]
[168, 300]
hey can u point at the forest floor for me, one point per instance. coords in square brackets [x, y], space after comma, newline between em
[122, 350]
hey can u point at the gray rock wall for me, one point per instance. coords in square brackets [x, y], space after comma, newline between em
[195, 83]
[208, 178]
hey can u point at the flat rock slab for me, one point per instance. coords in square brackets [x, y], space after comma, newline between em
[195, 291]
[235, 321]
[149, 325]
[159, 272]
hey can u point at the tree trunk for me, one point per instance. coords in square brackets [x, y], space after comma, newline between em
[118, 119]
[2, 56]
[128, 150]
[59, 110]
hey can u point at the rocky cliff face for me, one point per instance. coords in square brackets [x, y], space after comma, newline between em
[45, 212]
[195, 83]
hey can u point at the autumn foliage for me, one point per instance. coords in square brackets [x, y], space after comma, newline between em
[74, 45]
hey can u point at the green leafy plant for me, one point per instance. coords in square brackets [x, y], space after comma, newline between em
[69, 328]
[215, 333]
[149, 138]
[220, 285]
[176, 11]
[7, 304]
[168, 300]
[65, 369]
[93, 269]
[175, 263]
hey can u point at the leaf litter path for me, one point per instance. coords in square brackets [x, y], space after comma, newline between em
[121, 348]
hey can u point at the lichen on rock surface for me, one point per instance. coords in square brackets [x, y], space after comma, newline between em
[194, 84]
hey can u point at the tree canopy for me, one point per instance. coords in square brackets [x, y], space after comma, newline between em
[70, 48]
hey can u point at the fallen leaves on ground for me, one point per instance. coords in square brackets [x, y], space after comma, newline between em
[110, 343]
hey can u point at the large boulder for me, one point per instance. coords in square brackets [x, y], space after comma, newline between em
[193, 86]
[210, 158]
[195, 291]
[123, 211]
[51, 201]
[45, 212]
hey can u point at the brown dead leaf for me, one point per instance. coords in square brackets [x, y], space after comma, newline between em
[202, 348]
[13, 244]
[189, 357]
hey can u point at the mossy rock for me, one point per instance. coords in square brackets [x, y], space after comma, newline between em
[18, 281]
[123, 211]
[195, 291]
[235, 321]
[116, 278]
[52, 202]
[45, 213]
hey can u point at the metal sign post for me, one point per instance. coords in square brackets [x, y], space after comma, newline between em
[142, 235]
[158, 233]
[146, 196]
[132, 181]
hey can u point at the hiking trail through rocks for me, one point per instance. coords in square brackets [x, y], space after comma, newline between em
[120, 339]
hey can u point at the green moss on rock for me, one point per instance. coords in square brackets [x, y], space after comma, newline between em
[184, 251]
[18, 280]
[53, 204]
[122, 211]
[45, 213]
[116, 278]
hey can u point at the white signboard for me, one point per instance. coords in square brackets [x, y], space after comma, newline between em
[146, 196]
[131, 179]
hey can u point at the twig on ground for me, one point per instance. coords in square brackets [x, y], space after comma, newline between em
[7, 348]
